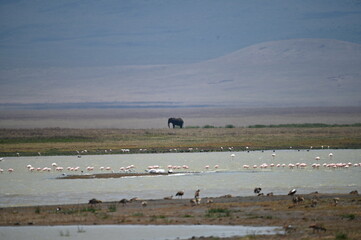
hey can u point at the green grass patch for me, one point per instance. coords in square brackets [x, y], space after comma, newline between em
[37, 210]
[92, 210]
[112, 208]
[218, 212]
[138, 214]
[341, 236]
[349, 216]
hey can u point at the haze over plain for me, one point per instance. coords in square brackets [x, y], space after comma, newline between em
[180, 53]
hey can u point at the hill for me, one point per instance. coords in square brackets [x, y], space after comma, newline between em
[300, 72]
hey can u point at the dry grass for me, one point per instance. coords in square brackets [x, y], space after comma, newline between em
[54, 141]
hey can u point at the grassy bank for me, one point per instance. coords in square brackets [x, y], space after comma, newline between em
[338, 221]
[58, 141]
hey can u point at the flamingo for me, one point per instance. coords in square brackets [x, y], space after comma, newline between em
[303, 165]
[90, 168]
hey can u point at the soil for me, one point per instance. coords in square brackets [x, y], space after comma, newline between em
[318, 216]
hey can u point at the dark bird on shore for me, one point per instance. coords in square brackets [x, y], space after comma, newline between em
[124, 201]
[317, 228]
[196, 194]
[335, 201]
[354, 192]
[179, 194]
[257, 190]
[292, 192]
[94, 201]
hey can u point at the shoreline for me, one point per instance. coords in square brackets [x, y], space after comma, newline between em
[120, 175]
[278, 210]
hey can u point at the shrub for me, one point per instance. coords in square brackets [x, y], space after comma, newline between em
[37, 210]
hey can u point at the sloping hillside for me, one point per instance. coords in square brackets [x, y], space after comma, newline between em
[301, 72]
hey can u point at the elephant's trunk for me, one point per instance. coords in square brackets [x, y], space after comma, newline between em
[169, 123]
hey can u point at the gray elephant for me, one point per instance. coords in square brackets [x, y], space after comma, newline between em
[176, 122]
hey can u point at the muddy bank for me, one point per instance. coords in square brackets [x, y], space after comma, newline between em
[328, 215]
[118, 175]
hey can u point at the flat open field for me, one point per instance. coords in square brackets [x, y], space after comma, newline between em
[57, 141]
[337, 220]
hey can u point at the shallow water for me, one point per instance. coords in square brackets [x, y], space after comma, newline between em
[131, 232]
[22, 187]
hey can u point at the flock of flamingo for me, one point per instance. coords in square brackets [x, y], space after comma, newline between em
[131, 168]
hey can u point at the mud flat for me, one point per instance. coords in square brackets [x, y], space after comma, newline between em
[119, 175]
[318, 216]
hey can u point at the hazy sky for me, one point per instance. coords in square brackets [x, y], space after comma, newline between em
[71, 33]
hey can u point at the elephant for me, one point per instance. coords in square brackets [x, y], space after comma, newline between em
[176, 122]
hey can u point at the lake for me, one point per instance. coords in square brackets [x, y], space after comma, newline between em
[217, 173]
[132, 232]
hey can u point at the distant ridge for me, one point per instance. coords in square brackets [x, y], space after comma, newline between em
[299, 72]
[99, 105]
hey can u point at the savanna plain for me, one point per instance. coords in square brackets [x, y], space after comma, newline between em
[317, 216]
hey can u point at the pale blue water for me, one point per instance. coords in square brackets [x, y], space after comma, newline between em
[130, 232]
[22, 187]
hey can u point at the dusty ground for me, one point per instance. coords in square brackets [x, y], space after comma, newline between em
[340, 221]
